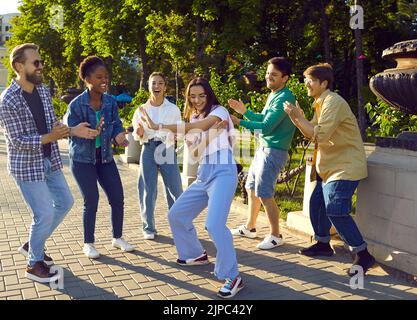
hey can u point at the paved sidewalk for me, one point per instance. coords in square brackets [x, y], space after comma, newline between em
[151, 273]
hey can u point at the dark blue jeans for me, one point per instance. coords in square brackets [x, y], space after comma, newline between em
[331, 203]
[107, 175]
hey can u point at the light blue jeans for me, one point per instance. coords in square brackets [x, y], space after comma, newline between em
[50, 201]
[214, 187]
[148, 180]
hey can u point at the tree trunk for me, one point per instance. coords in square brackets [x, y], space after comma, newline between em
[176, 83]
[359, 80]
[325, 32]
[143, 60]
[199, 40]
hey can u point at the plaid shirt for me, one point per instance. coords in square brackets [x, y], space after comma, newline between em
[24, 147]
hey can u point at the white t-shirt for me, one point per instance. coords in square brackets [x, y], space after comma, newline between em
[166, 113]
[223, 141]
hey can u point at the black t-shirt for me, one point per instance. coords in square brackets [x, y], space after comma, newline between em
[36, 107]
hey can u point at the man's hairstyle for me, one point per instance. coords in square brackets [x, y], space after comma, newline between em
[281, 64]
[89, 65]
[160, 74]
[322, 72]
[18, 53]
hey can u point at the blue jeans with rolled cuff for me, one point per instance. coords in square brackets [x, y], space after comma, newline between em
[331, 203]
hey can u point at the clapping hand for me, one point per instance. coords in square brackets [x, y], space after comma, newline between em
[235, 120]
[146, 119]
[121, 139]
[293, 111]
[140, 130]
[59, 131]
[238, 106]
[83, 130]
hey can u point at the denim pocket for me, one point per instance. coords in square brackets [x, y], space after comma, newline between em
[339, 205]
[338, 197]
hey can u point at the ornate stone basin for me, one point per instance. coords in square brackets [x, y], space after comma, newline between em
[398, 88]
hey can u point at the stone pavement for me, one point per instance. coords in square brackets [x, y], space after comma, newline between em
[150, 273]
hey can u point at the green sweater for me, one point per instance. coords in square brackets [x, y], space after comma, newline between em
[276, 128]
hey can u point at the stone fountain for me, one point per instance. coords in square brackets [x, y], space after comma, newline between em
[387, 200]
[398, 88]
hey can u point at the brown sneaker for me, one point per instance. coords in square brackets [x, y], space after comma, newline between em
[40, 273]
[24, 249]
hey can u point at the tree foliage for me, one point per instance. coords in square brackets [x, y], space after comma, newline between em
[223, 40]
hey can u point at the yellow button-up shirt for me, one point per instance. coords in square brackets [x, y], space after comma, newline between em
[341, 154]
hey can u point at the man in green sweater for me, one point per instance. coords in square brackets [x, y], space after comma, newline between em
[275, 134]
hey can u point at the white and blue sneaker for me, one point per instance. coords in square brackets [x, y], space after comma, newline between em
[244, 232]
[270, 242]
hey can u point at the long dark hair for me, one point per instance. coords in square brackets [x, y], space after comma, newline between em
[211, 98]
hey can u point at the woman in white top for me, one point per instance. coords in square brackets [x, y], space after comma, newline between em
[214, 187]
[158, 153]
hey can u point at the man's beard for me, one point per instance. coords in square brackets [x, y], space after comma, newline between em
[34, 78]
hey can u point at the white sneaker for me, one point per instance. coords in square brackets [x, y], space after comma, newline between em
[270, 242]
[122, 244]
[148, 235]
[90, 251]
[244, 232]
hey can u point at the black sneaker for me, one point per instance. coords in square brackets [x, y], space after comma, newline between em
[318, 249]
[199, 261]
[24, 249]
[363, 259]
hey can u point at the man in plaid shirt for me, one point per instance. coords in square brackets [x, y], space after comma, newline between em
[31, 130]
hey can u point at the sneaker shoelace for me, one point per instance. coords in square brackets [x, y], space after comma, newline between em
[228, 284]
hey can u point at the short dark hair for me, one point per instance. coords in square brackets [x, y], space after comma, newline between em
[322, 72]
[89, 65]
[282, 64]
[211, 97]
[18, 53]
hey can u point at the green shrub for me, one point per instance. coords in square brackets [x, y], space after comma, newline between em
[388, 121]
[224, 90]
[60, 107]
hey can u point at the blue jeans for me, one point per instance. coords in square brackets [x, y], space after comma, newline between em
[331, 203]
[214, 187]
[148, 180]
[50, 201]
[264, 170]
[107, 175]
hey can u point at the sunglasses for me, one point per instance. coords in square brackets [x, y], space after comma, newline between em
[37, 63]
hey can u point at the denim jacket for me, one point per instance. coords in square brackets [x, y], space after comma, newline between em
[79, 110]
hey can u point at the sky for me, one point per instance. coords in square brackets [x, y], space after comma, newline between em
[8, 6]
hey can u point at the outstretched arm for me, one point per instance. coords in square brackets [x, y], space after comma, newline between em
[182, 128]
[213, 133]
